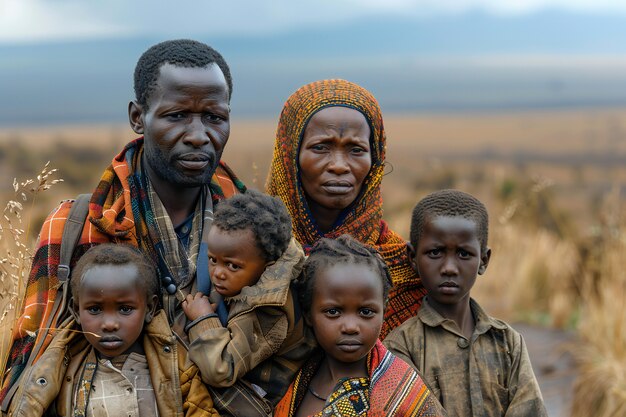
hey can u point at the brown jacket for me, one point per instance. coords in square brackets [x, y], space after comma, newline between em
[54, 376]
[489, 375]
[265, 341]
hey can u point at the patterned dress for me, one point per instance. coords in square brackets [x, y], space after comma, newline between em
[363, 218]
[392, 389]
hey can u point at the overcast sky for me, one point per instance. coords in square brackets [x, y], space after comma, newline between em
[34, 21]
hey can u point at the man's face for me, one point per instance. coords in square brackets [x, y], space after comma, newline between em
[185, 125]
[112, 308]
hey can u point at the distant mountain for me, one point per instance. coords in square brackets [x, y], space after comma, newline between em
[469, 61]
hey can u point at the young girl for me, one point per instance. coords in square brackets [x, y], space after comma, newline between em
[124, 360]
[343, 291]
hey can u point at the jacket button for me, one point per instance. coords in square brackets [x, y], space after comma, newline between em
[42, 381]
[167, 349]
[462, 342]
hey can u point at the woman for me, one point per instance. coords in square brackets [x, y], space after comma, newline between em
[327, 168]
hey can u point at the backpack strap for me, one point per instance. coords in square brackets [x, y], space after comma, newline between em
[71, 234]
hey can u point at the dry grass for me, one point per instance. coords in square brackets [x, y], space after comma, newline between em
[601, 387]
[15, 251]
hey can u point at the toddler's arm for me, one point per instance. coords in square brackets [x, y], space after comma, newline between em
[225, 354]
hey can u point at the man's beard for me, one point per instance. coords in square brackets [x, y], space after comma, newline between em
[161, 167]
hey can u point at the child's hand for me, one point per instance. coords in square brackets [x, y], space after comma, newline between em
[196, 306]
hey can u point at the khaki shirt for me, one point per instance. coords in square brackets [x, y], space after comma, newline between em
[489, 375]
[122, 392]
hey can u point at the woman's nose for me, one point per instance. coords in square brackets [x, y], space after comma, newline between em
[338, 163]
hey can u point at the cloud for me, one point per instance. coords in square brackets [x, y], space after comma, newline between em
[45, 20]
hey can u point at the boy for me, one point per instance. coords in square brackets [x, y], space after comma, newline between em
[252, 263]
[476, 365]
[116, 365]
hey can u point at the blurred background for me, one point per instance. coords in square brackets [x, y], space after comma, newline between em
[522, 103]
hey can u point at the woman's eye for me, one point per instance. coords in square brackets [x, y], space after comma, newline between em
[358, 150]
[318, 147]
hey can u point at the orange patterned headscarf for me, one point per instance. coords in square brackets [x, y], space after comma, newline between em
[363, 218]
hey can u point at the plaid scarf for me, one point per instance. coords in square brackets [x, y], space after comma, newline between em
[119, 211]
[392, 389]
[363, 219]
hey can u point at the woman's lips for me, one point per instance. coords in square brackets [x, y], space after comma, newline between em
[337, 188]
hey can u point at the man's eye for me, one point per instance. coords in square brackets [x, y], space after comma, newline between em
[176, 116]
[214, 118]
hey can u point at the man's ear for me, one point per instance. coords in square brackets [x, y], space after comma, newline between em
[151, 310]
[410, 250]
[135, 117]
[74, 310]
[484, 261]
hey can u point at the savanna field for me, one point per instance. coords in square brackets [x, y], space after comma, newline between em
[553, 181]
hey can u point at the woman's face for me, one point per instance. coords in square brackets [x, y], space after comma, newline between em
[334, 159]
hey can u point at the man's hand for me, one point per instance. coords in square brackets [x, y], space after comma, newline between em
[196, 306]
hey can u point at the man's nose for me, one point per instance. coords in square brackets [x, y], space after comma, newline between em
[197, 134]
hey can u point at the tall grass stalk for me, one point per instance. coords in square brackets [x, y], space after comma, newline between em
[15, 251]
[600, 389]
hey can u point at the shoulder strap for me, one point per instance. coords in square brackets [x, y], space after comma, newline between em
[71, 234]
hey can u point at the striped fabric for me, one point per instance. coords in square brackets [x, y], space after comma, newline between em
[119, 211]
[363, 219]
[393, 389]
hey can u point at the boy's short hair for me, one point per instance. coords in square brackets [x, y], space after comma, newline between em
[450, 203]
[118, 255]
[265, 215]
[185, 53]
[330, 252]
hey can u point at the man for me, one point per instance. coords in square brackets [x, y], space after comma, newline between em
[157, 194]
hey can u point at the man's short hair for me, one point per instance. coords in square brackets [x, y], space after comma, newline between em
[452, 203]
[185, 53]
[117, 255]
[266, 216]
